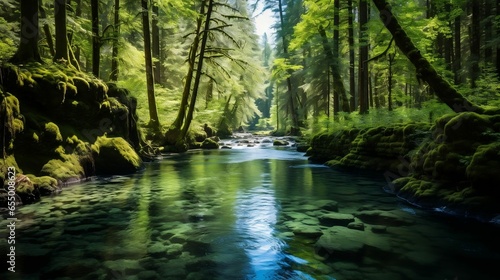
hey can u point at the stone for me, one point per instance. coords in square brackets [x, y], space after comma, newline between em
[299, 228]
[356, 225]
[379, 229]
[341, 243]
[388, 218]
[329, 205]
[124, 266]
[174, 249]
[336, 219]
[115, 156]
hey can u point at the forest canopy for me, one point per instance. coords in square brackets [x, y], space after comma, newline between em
[327, 63]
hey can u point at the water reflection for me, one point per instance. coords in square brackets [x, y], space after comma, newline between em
[237, 215]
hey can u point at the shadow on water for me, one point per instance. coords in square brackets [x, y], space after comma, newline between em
[253, 213]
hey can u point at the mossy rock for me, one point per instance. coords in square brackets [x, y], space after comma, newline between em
[45, 184]
[209, 144]
[115, 156]
[467, 126]
[9, 161]
[26, 190]
[483, 170]
[13, 123]
[68, 169]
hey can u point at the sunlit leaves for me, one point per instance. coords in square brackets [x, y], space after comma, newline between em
[282, 69]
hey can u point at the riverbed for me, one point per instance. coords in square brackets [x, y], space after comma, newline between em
[250, 212]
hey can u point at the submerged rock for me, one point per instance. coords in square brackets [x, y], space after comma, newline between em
[336, 219]
[380, 217]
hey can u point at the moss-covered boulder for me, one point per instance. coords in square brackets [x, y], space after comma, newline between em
[209, 143]
[484, 169]
[46, 185]
[115, 156]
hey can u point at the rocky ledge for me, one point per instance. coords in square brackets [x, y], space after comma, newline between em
[59, 126]
[452, 165]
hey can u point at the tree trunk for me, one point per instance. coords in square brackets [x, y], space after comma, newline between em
[46, 30]
[488, 32]
[443, 90]
[62, 49]
[475, 42]
[341, 93]
[363, 58]
[457, 62]
[199, 69]
[28, 46]
[337, 79]
[116, 36]
[498, 32]
[448, 40]
[96, 57]
[181, 114]
[352, 78]
[153, 113]
[295, 119]
[156, 44]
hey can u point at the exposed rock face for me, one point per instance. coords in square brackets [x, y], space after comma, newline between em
[54, 114]
[454, 163]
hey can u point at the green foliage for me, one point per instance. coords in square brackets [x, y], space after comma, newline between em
[8, 38]
[282, 69]
[379, 117]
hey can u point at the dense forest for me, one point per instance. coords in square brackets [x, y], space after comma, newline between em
[328, 63]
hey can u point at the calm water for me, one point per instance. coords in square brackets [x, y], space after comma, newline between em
[240, 214]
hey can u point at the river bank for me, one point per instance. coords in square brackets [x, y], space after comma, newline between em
[450, 166]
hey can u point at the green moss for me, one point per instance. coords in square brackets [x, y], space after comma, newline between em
[45, 184]
[209, 144]
[483, 170]
[115, 156]
[466, 126]
[51, 133]
[67, 169]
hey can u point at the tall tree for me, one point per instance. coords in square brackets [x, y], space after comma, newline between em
[62, 49]
[154, 122]
[96, 40]
[46, 29]
[155, 30]
[116, 36]
[475, 42]
[199, 68]
[290, 92]
[29, 33]
[174, 132]
[340, 89]
[425, 71]
[457, 61]
[363, 57]
[352, 78]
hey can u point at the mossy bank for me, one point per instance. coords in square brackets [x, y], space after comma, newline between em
[452, 165]
[60, 125]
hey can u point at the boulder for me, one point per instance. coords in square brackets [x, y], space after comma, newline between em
[380, 217]
[209, 143]
[115, 156]
[336, 219]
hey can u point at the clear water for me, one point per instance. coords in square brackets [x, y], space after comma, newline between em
[227, 214]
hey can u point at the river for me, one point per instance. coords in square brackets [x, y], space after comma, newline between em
[242, 213]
